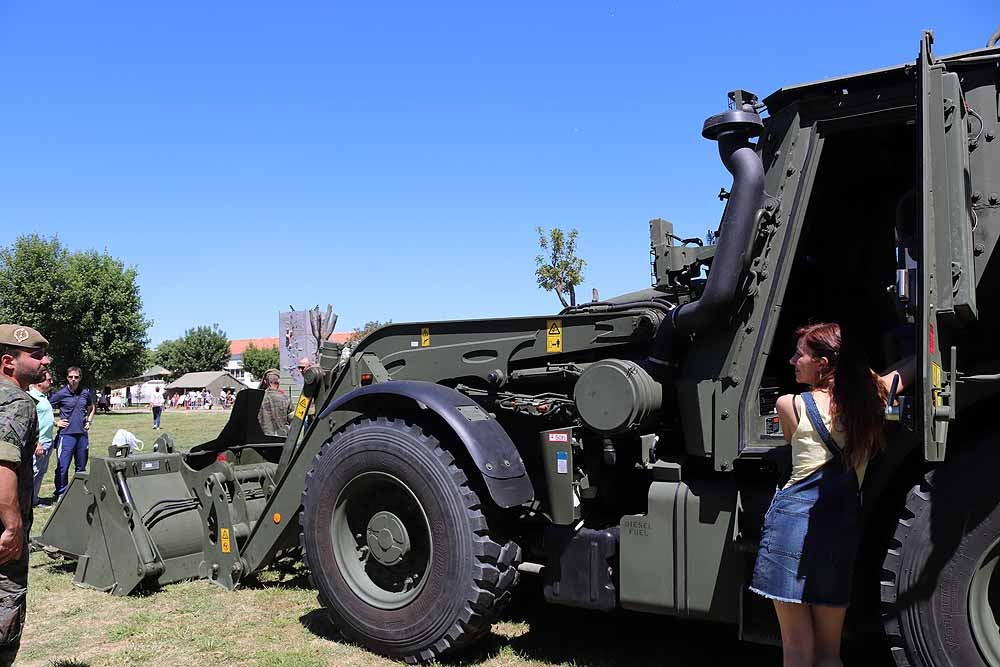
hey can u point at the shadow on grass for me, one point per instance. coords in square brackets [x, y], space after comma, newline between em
[284, 573]
[595, 639]
[582, 637]
[57, 565]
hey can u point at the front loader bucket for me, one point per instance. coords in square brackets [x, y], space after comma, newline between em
[164, 517]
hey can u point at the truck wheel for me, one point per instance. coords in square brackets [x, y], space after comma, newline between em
[397, 544]
[941, 583]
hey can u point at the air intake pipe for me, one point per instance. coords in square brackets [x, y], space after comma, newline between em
[733, 130]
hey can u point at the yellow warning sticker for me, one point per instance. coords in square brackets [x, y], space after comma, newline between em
[936, 384]
[553, 336]
[224, 540]
[300, 408]
[425, 337]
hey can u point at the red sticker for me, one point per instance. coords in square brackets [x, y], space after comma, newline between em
[931, 345]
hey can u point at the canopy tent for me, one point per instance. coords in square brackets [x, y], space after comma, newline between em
[214, 381]
[151, 373]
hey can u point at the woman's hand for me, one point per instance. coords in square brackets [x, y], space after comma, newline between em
[62, 423]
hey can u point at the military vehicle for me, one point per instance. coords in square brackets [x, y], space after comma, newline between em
[623, 451]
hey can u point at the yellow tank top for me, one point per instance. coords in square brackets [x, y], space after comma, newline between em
[809, 454]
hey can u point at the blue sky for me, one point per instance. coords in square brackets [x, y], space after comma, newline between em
[394, 159]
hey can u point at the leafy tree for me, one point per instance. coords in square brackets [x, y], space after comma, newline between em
[361, 332]
[202, 348]
[148, 359]
[256, 360]
[165, 354]
[562, 270]
[86, 303]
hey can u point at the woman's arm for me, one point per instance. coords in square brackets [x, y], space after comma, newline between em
[786, 415]
[905, 370]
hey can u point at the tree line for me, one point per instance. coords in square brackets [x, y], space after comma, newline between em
[88, 305]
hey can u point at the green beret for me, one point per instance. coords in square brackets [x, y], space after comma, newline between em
[18, 335]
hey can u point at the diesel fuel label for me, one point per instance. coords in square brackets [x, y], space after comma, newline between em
[553, 336]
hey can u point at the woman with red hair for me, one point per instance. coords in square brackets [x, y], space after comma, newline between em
[811, 530]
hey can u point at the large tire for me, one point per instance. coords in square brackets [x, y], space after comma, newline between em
[397, 543]
[941, 587]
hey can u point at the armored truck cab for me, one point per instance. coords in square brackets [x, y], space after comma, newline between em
[624, 451]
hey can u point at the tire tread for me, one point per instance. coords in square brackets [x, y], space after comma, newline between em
[496, 572]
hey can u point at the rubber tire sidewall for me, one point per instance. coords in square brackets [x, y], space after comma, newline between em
[400, 450]
[952, 509]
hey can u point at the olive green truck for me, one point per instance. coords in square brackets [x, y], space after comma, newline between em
[622, 452]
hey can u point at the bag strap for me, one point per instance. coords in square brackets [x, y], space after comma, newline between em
[812, 411]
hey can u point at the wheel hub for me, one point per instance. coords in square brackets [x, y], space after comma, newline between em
[984, 605]
[388, 542]
[381, 538]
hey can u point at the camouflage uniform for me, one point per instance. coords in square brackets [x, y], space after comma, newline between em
[273, 414]
[18, 437]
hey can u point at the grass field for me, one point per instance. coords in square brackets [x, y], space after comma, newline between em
[276, 621]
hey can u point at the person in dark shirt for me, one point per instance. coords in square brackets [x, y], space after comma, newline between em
[75, 407]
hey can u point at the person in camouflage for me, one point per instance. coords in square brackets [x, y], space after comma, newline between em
[23, 362]
[273, 414]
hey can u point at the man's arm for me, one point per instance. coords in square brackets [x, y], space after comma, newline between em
[12, 537]
[56, 402]
[91, 409]
[18, 433]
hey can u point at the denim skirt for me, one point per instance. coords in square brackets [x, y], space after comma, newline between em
[810, 540]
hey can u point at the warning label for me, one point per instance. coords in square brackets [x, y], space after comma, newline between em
[425, 337]
[553, 336]
[936, 385]
[224, 540]
[300, 408]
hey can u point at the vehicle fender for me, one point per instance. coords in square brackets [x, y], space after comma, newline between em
[490, 448]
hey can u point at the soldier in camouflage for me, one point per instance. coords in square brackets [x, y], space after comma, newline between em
[273, 414]
[23, 362]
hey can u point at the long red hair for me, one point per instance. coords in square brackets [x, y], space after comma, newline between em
[857, 395]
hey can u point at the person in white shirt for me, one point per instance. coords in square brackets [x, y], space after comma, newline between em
[156, 402]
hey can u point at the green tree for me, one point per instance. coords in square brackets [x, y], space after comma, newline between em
[256, 360]
[561, 271]
[166, 354]
[86, 303]
[361, 332]
[202, 348]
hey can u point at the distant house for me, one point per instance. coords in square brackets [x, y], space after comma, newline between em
[235, 365]
[214, 381]
[139, 388]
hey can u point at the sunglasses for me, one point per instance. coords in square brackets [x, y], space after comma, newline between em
[73, 377]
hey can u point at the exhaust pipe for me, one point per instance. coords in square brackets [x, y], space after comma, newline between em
[733, 130]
